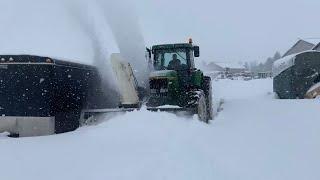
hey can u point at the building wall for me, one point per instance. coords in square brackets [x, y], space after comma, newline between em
[234, 71]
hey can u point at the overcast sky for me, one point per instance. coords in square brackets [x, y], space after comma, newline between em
[226, 30]
[230, 30]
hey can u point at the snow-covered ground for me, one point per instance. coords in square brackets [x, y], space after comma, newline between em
[254, 137]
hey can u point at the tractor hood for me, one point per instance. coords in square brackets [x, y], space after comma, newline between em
[163, 74]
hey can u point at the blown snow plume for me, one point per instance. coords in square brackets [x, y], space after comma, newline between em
[93, 24]
[42, 27]
[90, 21]
[124, 25]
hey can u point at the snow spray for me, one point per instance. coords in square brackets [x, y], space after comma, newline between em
[122, 21]
[94, 25]
[124, 25]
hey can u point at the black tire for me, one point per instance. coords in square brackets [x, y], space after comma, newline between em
[201, 107]
[207, 89]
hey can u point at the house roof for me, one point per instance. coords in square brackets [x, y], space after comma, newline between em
[301, 45]
[312, 40]
[316, 47]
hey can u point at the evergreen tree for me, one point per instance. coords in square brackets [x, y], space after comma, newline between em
[276, 56]
[246, 65]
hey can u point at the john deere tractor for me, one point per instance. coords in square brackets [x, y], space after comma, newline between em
[175, 83]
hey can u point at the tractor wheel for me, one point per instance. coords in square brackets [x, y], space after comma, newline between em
[207, 89]
[201, 107]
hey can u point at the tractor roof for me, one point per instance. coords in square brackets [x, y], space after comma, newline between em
[169, 46]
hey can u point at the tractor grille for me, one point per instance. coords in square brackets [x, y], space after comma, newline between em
[159, 87]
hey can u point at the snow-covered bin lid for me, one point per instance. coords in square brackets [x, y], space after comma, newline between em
[286, 62]
[283, 64]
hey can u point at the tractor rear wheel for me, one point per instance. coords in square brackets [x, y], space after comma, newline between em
[207, 89]
[201, 107]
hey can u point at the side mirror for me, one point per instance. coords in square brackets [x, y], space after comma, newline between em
[196, 50]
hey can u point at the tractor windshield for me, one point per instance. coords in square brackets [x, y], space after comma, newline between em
[171, 59]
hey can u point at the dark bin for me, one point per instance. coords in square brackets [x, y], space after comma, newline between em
[294, 75]
[34, 86]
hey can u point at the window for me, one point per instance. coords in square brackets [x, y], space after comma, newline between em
[171, 59]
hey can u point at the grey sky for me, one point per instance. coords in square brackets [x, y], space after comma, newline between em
[230, 30]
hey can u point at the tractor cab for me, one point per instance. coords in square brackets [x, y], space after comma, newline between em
[177, 57]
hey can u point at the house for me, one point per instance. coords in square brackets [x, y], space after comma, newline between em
[264, 75]
[227, 67]
[303, 45]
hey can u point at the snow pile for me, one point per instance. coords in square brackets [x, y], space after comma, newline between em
[157, 146]
[254, 137]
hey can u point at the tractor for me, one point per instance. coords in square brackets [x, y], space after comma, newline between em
[175, 83]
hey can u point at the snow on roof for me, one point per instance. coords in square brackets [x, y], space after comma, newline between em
[231, 65]
[286, 62]
[314, 41]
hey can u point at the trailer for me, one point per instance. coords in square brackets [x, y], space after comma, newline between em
[43, 95]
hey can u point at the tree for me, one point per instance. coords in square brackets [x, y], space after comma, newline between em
[246, 65]
[268, 65]
[276, 56]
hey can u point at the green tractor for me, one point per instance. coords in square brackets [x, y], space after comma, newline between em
[175, 84]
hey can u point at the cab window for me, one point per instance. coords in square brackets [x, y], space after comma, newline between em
[171, 59]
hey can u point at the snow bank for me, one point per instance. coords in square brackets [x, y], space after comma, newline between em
[137, 145]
